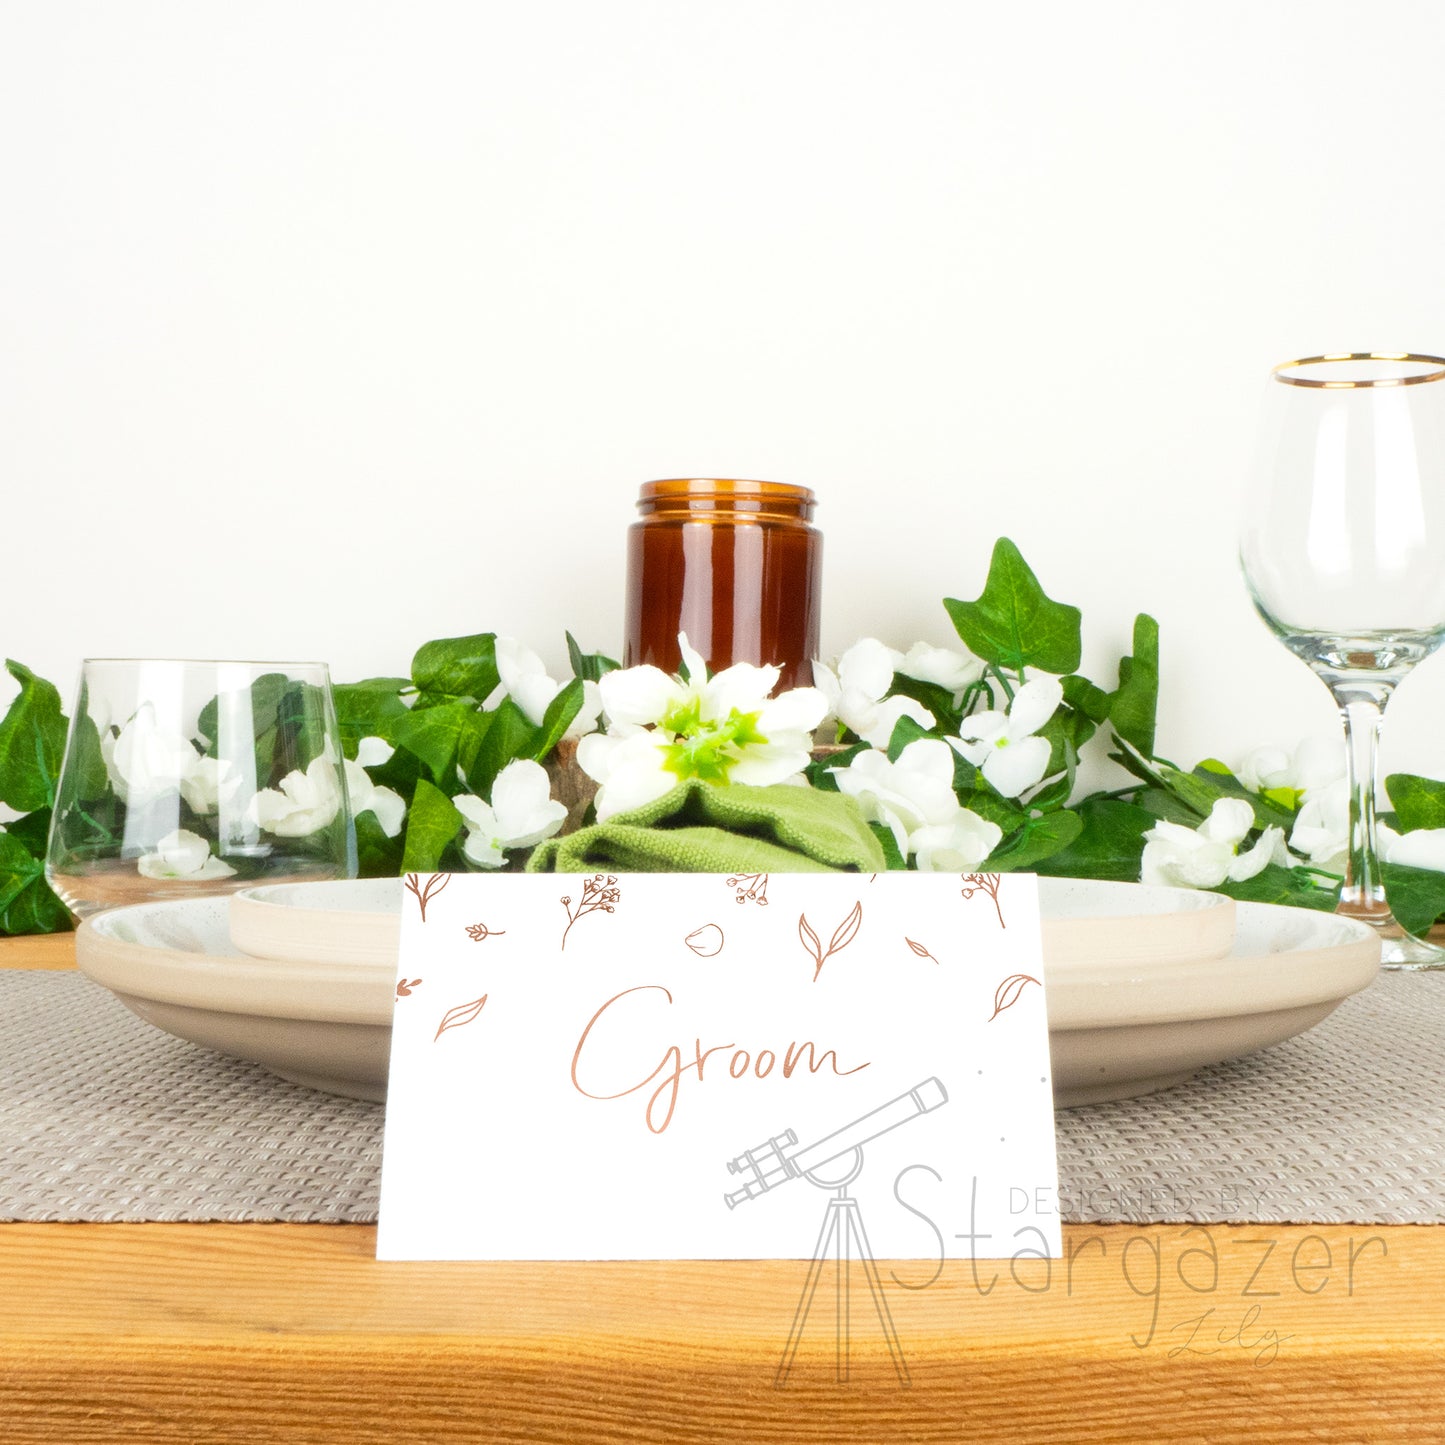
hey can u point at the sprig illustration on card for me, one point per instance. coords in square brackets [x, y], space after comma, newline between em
[919, 949]
[424, 895]
[843, 935]
[462, 1014]
[406, 987]
[599, 895]
[984, 883]
[750, 888]
[1007, 993]
[479, 931]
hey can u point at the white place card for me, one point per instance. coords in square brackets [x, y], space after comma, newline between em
[691, 1066]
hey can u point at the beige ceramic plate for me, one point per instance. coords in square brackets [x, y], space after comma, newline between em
[1084, 923]
[1116, 1028]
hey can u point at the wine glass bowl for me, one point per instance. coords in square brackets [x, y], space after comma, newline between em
[183, 777]
[1343, 551]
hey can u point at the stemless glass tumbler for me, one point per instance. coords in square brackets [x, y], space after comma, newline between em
[1343, 550]
[184, 777]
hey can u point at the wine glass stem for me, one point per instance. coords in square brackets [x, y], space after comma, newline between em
[1362, 707]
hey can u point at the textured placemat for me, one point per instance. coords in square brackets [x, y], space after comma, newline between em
[104, 1118]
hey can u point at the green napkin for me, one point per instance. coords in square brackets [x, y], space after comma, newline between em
[700, 828]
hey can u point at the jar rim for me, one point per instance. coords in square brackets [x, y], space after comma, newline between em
[675, 488]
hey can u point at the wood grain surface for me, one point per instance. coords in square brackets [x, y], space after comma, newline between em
[294, 1333]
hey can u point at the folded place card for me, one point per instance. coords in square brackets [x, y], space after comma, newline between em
[699, 1066]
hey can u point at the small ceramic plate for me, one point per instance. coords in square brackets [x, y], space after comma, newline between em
[1084, 923]
[1116, 1028]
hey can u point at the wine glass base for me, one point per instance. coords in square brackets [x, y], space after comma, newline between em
[1403, 952]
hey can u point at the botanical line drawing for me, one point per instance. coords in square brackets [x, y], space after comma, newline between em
[478, 931]
[599, 895]
[984, 883]
[751, 888]
[707, 941]
[1007, 994]
[434, 885]
[405, 986]
[918, 948]
[463, 1013]
[843, 935]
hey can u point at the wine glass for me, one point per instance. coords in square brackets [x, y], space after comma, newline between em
[1343, 550]
[187, 777]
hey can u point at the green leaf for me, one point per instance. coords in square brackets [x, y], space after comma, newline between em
[33, 830]
[989, 806]
[560, 715]
[86, 776]
[1109, 845]
[1039, 838]
[1133, 708]
[1056, 794]
[1418, 802]
[430, 826]
[1163, 805]
[1066, 729]
[32, 743]
[1086, 697]
[588, 665]
[1217, 776]
[26, 903]
[889, 844]
[905, 731]
[508, 737]
[819, 772]
[1416, 895]
[1294, 887]
[1013, 624]
[458, 666]
[266, 694]
[938, 700]
[377, 856]
[368, 709]
[444, 738]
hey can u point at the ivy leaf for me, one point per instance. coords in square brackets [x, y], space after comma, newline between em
[889, 844]
[1013, 624]
[1291, 886]
[1066, 730]
[560, 715]
[1039, 838]
[590, 666]
[938, 700]
[1086, 697]
[819, 772]
[368, 709]
[266, 694]
[508, 737]
[1416, 895]
[32, 743]
[444, 738]
[1134, 707]
[458, 666]
[988, 805]
[1109, 845]
[1163, 805]
[86, 777]
[26, 903]
[1418, 802]
[1267, 811]
[377, 856]
[905, 731]
[431, 825]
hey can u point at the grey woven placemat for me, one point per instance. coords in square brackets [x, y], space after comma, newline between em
[104, 1118]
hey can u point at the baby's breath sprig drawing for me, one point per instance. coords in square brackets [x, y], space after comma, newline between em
[599, 895]
[750, 888]
[984, 883]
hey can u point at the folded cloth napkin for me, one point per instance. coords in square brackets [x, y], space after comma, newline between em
[700, 828]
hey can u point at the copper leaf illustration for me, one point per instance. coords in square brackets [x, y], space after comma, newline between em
[1008, 992]
[463, 1013]
[707, 941]
[847, 930]
[810, 939]
[919, 949]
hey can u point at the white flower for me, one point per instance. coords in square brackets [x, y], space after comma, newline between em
[914, 798]
[525, 680]
[946, 667]
[373, 752]
[725, 729]
[856, 692]
[209, 783]
[388, 805]
[1424, 848]
[1004, 745]
[1322, 826]
[144, 762]
[520, 814]
[304, 804]
[182, 855]
[1204, 857]
[1315, 763]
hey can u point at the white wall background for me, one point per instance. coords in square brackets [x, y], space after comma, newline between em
[329, 327]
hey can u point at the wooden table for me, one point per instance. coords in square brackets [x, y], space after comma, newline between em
[293, 1333]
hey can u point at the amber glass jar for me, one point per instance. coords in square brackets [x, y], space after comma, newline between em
[735, 565]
